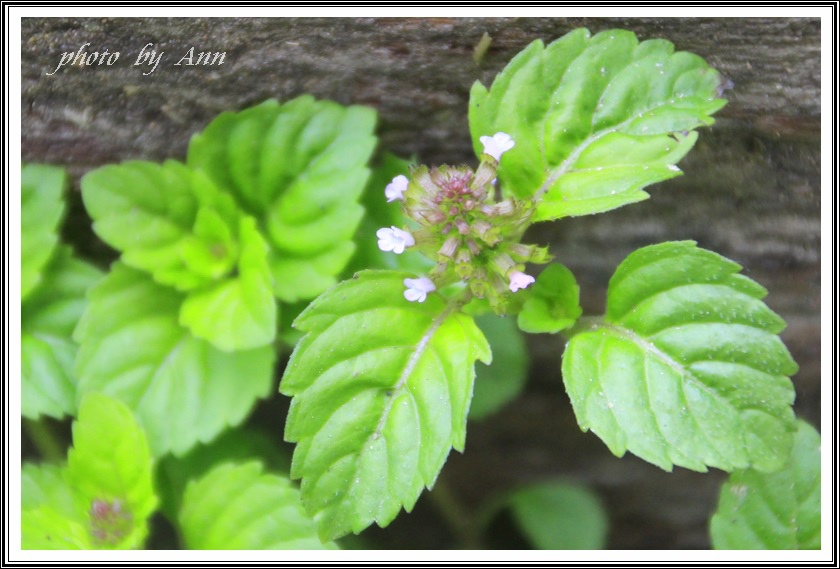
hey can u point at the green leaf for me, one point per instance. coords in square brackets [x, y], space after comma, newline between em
[44, 528]
[41, 208]
[234, 445]
[686, 368]
[45, 485]
[300, 169]
[500, 383]
[48, 352]
[239, 507]
[780, 510]
[558, 515]
[595, 119]
[165, 219]
[238, 313]
[182, 389]
[381, 391]
[553, 303]
[110, 469]
[52, 517]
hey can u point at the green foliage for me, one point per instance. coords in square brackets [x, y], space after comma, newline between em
[173, 223]
[779, 510]
[686, 367]
[48, 352]
[381, 391]
[299, 168]
[43, 484]
[183, 389]
[240, 507]
[41, 208]
[557, 515]
[104, 496]
[497, 385]
[177, 342]
[110, 463]
[234, 445]
[595, 119]
[237, 313]
[553, 303]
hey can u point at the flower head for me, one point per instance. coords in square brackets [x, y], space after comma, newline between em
[497, 144]
[519, 280]
[395, 190]
[394, 239]
[417, 289]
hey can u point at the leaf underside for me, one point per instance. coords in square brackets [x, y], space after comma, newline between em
[381, 391]
[686, 369]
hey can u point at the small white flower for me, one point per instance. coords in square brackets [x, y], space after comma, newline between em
[497, 144]
[519, 280]
[395, 190]
[394, 239]
[417, 289]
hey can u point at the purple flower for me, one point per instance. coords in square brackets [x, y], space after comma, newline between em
[394, 239]
[417, 289]
[519, 280]
[395, 190]
[497, 144]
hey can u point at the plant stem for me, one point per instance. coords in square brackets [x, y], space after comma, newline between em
[584, 324]
[460, 521]
[42, 436]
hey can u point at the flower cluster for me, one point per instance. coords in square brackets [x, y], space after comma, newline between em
[471, 235]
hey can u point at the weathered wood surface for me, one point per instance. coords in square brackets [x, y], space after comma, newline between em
[751, 189]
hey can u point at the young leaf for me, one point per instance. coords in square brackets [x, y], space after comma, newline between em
[165, 219]
[381, 391]
[500, 383]
[110, 469]
[686, 367]
[780, 510]
[238, 313]
[553, 303]
[48, 352]
[299, 168]
[41, 207]
[558, 515]
[103, 498]
[240, 507]
[594, 118]
[182, 389]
